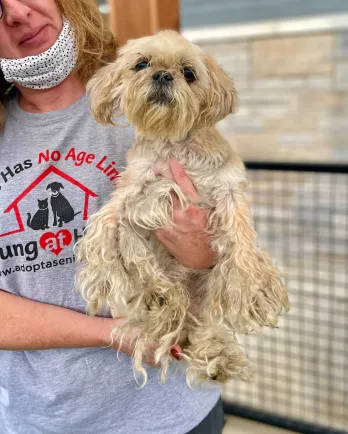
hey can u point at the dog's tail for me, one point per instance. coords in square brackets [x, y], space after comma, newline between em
[77, 213]
[29, 220]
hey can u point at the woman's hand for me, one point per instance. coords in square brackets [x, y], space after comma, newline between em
[127, 346]
[187, 241]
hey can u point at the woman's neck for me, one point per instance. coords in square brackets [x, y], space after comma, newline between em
[59, 97]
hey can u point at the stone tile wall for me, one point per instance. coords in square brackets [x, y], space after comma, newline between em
[293, 97]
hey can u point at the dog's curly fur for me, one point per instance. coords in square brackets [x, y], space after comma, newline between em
[124, 267]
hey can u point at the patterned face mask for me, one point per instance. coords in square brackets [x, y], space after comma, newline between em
[48, 69]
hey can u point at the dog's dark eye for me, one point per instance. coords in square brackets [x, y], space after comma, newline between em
[142, 65]
[189, 75]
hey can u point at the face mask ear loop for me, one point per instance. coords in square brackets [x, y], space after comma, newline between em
[9, 89]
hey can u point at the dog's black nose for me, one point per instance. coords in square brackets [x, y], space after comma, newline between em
[163, 77]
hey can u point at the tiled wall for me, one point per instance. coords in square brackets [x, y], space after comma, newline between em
[293, 97]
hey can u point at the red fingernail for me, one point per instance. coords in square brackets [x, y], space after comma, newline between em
[176, 354]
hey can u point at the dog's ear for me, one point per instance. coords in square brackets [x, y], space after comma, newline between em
[61, 185]
[49, 186]
[103, 92]
[222, 98]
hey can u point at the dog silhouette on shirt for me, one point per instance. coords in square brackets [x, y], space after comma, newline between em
[63, 212]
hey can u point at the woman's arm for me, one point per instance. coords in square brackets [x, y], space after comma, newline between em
[31, 325]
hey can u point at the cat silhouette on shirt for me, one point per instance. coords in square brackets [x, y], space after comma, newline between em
[40, 218]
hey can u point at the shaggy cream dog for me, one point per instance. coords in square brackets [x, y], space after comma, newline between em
[174, 93]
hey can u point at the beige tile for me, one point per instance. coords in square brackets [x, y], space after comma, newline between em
[293, 56]
[341, 76]
[236, 425]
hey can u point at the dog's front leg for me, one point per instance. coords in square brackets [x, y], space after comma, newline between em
[150, 207]
[246, 288]
[54, 217]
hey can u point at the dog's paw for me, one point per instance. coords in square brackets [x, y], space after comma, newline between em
[215, 358]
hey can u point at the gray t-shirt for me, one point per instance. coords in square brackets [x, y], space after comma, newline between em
[56, 169]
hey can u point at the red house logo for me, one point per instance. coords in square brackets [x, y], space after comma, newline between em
[51, 169]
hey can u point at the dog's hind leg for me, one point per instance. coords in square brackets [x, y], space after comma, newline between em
[214, 355]
[159, 305]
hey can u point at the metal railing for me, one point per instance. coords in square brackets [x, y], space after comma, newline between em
[301, 216]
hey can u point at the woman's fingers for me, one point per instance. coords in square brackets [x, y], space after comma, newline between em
[176, 352]
[127, 347]
[183, 180]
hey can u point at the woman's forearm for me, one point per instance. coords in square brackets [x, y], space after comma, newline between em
[31, 325]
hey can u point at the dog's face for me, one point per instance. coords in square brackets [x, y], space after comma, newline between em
[165, 85]
[55, 188]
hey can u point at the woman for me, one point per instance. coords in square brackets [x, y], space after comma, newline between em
[57, 167]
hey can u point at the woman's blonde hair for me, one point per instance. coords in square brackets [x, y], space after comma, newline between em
[97, 46]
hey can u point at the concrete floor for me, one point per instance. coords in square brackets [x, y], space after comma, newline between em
[236, 425]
